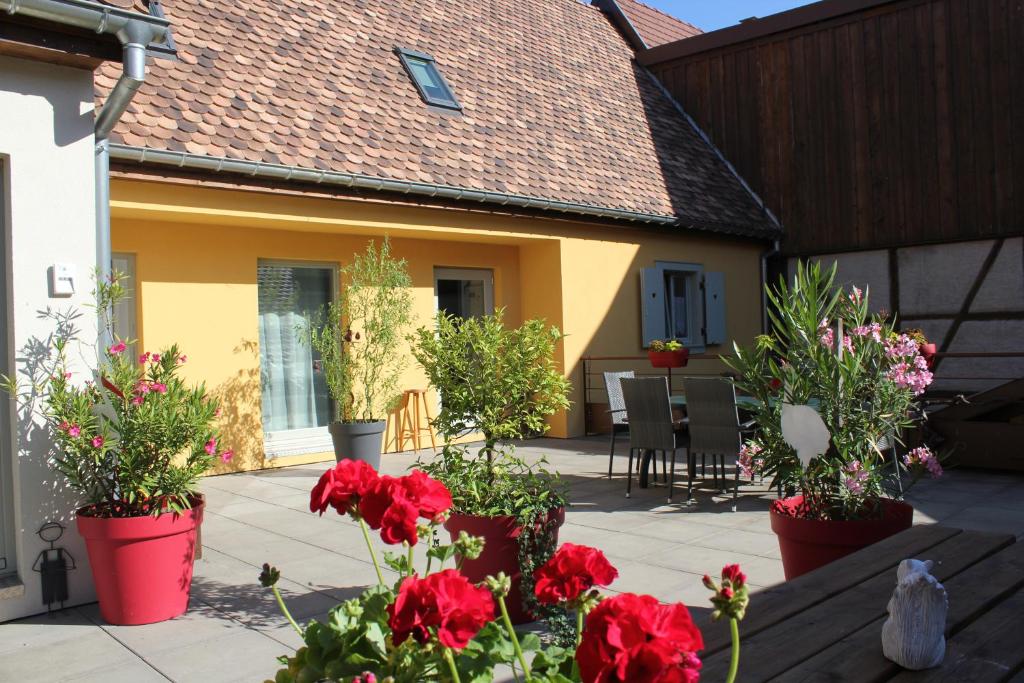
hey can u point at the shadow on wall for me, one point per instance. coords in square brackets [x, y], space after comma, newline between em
[241, 420]
[45, 495]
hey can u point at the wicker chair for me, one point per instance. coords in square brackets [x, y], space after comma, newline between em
[714, 424]
[651, 427]
[616, 409]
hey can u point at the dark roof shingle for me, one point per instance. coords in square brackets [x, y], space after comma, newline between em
[553, 105]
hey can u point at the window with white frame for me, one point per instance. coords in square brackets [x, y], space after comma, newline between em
[683, 302]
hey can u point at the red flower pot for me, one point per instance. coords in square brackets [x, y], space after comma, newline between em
[141, 566]
[501, 553]
[669, 359]
[928, 352]
[807, 544]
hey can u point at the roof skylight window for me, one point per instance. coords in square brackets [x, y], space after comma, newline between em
[428, 80]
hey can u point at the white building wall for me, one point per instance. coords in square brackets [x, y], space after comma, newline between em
[46, 144]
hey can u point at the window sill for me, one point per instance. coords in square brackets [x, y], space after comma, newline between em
[307, 441]
[11, 587]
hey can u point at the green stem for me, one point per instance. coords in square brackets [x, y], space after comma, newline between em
[411, 568]
[369, 545]
[734, 659]
[284, 610]
[579, 639]
[512, 634]
[451, 665]
[430, 561]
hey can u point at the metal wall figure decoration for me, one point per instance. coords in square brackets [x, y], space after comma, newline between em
[53, 564]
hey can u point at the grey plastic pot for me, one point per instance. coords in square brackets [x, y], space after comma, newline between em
[358, 441]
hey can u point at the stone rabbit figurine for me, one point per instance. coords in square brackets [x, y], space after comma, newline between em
[914, 634]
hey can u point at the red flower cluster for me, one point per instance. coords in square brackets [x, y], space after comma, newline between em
[342, 487]
[445, 601]
[391, 504]
[635, 638]
[571, 571]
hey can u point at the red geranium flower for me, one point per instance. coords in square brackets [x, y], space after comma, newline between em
[732, 574]
[393, 505]
[445, 601]
[342, 487]
[635, 638]
[571, 571]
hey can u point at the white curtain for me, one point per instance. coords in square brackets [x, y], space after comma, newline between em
[287, 369]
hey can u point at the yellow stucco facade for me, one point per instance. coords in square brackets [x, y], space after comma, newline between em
[196, 250]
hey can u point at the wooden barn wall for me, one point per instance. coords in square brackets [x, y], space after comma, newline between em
[902, 124]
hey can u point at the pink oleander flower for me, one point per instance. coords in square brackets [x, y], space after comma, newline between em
[827, 338]
[847, 343]
[144, 358]
[156, 357]
[922, 456]
[143, 387]
[67, 375]
[138, 400]
[117, 348]
[855, 477]
[748, 464]
[211, 446]
[216, 413]
[856, 294]
[874, 330]
[913, 374]
[182, 359]
[227, 455]
[63, 426]
[159, 387]
[74, 431]
[97, 441]
[902, 347]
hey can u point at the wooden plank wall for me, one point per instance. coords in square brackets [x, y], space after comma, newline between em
[900, 124]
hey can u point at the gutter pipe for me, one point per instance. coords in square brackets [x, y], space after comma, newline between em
[135, 32]
[258, 169]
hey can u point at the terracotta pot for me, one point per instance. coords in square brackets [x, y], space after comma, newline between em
[141, 566]
[669, 359]
[928, 352]
[501, 553]
[807, 544]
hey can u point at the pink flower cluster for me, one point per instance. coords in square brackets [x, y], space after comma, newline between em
[922, 456]
[855, 477]
[145, 387]
[74, 431]
[747, 461]
[903, 346]
[211, 449]
[913, 374]
[874, 330]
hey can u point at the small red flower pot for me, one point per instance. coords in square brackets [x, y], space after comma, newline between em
[669, 359]
[928, 352]
[807, 544]
[141, 566]
[501, 553]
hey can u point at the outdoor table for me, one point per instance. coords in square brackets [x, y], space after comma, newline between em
[827, 625]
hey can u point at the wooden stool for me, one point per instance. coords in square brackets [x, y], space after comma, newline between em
[418, 397]
[399, 419]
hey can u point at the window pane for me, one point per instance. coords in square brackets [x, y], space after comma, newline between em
[425, 73]
[124, 312]
[679, 327]
[462, 298]
[294, 390]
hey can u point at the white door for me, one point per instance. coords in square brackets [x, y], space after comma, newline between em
[464, 292]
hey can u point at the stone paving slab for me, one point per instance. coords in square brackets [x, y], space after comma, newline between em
[234, 632]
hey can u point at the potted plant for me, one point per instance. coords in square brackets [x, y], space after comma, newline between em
[517, 508]
[440, 626]
[133, 444]
[356, 338]
[835, 386]
[502, 383]
[668, 354]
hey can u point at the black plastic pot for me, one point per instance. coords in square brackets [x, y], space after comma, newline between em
[358, 441]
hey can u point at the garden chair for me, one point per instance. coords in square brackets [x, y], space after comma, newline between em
[714, 424]
[616, 409]
[651, 427]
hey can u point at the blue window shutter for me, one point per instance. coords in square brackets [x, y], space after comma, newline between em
[714, 308]
[652, 305]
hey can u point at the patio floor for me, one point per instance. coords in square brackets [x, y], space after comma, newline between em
[234, 632]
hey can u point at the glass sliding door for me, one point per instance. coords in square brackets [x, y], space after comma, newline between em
[296, 405]
[464, 292]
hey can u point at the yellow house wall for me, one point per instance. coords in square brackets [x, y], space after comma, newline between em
[196, 251]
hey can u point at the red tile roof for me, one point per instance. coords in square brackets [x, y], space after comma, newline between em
[654, 26]
[554, 106]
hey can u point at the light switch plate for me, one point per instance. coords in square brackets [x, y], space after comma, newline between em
[63, 277]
